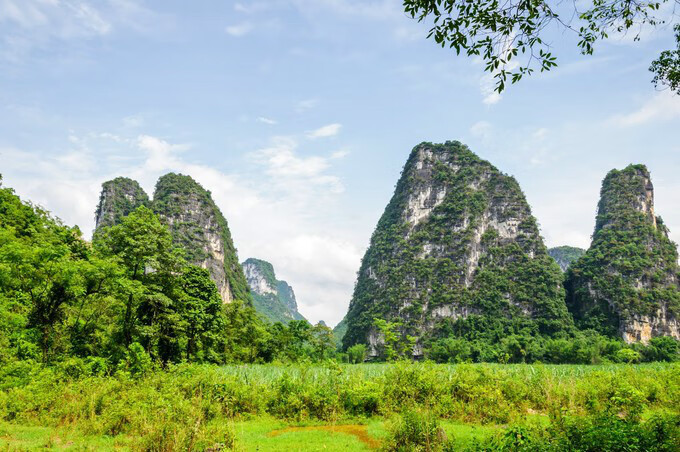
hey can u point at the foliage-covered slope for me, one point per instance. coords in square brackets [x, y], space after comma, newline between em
[565, 255]
[272, 298]
[456, 252]
[200, 229]
[118, 198]
[339, 331]
[627, 282]
[62, 298]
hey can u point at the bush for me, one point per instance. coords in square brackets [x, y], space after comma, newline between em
[356, 354]
[416, 432]
[188, 393]
[627, 355]
[663, 348]
[137, 360]
[450, 350]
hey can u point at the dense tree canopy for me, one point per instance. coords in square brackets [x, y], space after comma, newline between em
[502, 32]
[128, 298]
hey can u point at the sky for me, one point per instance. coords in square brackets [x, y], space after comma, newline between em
[298, 116]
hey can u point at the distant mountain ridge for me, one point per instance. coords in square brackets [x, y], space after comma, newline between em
[272, 298]
[565, 255]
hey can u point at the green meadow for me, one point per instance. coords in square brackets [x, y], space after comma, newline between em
[396, 406]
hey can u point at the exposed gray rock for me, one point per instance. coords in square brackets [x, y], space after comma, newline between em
[457, 239]
[195, 222]
[627, 282]
[272, 298]
[118, 198]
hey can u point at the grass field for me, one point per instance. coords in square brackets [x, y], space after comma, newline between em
[260, 434]
[329, 407]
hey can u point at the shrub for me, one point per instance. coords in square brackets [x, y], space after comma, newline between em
[627, 355]
[416, 432]
[664, 348]
[450, 350]
[137, 360]
[356, 354]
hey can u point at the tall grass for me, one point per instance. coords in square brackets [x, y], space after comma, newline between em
[190, 405]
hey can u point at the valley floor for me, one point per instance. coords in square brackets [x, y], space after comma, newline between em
[262, 434]
[340, 407]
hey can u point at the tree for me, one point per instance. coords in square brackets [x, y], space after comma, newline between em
[323, 343]
[44, 271]
[299, 337]
[667, 66]
[201, 313]
[143, 246]
[245, 335]
[502, 32]
[356, 354]
[395, 344]
[663, 348]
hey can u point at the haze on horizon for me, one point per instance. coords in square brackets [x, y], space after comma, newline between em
[298, 115]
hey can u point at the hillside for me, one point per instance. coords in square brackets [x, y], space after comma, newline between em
[456, 253]
[196, 224]
[272, 298]
[626, 284]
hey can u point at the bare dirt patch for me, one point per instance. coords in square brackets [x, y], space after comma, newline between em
[358, 431]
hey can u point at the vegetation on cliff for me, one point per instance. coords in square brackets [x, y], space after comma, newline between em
[118, 198]
[273, 299]
[193, 219]
[630, 272]
[196, 225]
[458, 254]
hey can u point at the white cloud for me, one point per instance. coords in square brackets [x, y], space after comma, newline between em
[321, 266]
[252, 7]
[134, 121]
[530, 145]
[91, 19]
[239, 30]
[487, 86]
[367, 9]
[339, 154]
[410, 34]
[481, 129]
[292, 173]
[269, 121]
[27, 25]
[326, 131]
[64, 19]
[305, 105]
[664, 106]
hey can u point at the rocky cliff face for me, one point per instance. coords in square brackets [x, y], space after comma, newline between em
[272, 298]
[626, 284]
[456, 249]
[565, 255]
[118, 198]
[196, 224]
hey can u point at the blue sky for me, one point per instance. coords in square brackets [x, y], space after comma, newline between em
[298, 115]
